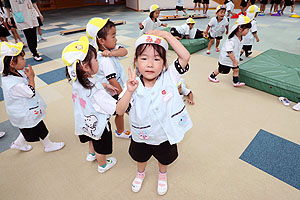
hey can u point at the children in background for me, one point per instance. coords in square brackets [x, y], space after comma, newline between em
[183, 90]
[277, 2]
[243, 6]
[93, 106]
[205, 6]
[263, 4]
[216, 27]
[289, 3]
[13, 29]
[102, 33]
[186, 31]
[179, 7]
[230, 52]
[3, 29]
[158, 116]
[229, 8]
[25, 107]
[39, 30]
[197, 3]
[152, 22]
[248, 40]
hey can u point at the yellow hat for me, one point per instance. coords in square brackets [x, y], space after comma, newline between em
[93, 26]
[154, 7]
[9, 49]
[240, 21]
[151, 39]
[190, 21]
[220, 7]
[251, 11]
[74, 52]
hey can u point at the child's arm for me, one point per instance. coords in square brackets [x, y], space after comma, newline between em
[120, 52]
[206, 31]
[182, 53]
[227, 29]
[256, 37]
[38, 11]
[191, 98]
[235, 63]
[30, 75]
[116, 84]
[165, 25]
[141, 26]
[132, 84]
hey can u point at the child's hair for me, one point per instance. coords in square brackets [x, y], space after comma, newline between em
[7, 60]
[102, 33]
[81, 75]
[151, 15]
[159, 49]
[243, 26]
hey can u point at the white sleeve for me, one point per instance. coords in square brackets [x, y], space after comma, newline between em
[174, 69]
[253, 28]
[159, 22]
[22, 90]
[144, 23]
[229, 45]
[102, 102]
[211, 22]
[186, 30]
[107, 67]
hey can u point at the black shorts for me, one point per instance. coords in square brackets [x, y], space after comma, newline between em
[247, 47]
[199, 34]
[13, 23]
[264, 2]
[217, 38]
[197, 1]
[244, 3]
[205, 2]
[36, 133]
[277, 1]
[224, 69]
[174, 32]
[272, 1]
[165, 153]
[3, 31]
[103, 145]
[40, 21]
[288, 3]
[252, 2]
[179, 8]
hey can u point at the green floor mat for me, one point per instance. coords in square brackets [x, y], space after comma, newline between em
[275, 72]
[192, 45]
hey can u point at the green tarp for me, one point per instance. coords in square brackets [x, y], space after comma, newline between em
[275, 72]
[192, 45]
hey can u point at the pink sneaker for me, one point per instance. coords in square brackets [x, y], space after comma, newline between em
[217, 50]
[215, 80]
[208, 52]
[238, 84]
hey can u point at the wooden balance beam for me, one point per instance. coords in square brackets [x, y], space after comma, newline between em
[178, 17]
[77, 30]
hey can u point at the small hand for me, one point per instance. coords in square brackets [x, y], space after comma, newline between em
[42, 18]
[141, 25]
[111, 89]
[106, 53]
[190, 101]
[29, 72]
[132, 83]
[257, 39]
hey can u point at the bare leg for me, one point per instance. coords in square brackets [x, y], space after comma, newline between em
[91, 147]
[40, 31]
[101, 159]
[217, 43]
[162, 168]
[141, 166]
[119, 120]
[211, 41]
[236, 72]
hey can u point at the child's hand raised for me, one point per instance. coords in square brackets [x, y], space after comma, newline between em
[132, 83]
[106, 53]
[29, 72]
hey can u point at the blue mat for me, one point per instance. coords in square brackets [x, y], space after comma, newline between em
[32, 62]
[11, 133]
[53, 76]
[275, 156]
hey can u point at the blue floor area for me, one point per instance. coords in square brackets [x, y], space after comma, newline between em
[53, 76]
[32, 62]
[275, 156]
[11, 133]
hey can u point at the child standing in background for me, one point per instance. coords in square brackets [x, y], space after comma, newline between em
[186, 31]
[3, 29]
[25, 107]
[102, 33]
[158, 116]
[152, 22]
[197, 3]
[205, 6]
[248, 40]
[289, 3]
[216, 27]
[93, 106]
[229, 8]
[230, 52]
[179, 7]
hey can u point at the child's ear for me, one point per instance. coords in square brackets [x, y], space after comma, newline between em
[101, 41]
[85, 67]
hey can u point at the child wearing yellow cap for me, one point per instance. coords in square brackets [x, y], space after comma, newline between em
[158, 116]
[102, 35]
[230, 52]
[152, 22]
[187, 30]
[25, 107]
[216, 28]
[93, 106]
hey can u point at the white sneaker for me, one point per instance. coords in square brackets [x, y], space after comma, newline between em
[38, 58]
[54, 146]
[2, 134]
[137, 182]
[162, 185]
[37, 39]
[239, 84]
[90, 157]
[214, 80]
[297, 107]
[25, 147]
[110, 162]
[42, 38]
[125, 134]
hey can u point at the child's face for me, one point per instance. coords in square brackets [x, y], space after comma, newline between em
[149, 63]
[156, 14]
[244, 32]
[221, 13]
[92, 68]
[111, 40]
[191, 26]
[20, 64]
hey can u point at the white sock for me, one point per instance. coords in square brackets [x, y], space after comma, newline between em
[51, 146]
[20, 141]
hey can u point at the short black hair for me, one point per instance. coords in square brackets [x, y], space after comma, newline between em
[243, 26]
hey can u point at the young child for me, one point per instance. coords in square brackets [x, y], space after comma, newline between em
[229, 8]
[3, 29]
[158, 116]
[263, 4]
[179, 7]
[152, 22]
[243, 6]
[289, 3]
[186, 31]
[205, 6]
[248, 40]
[197, 3]
[93, 106]
[183, 90]
[102, 32]
[25, 107]
[216, 27]
[230, 52]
